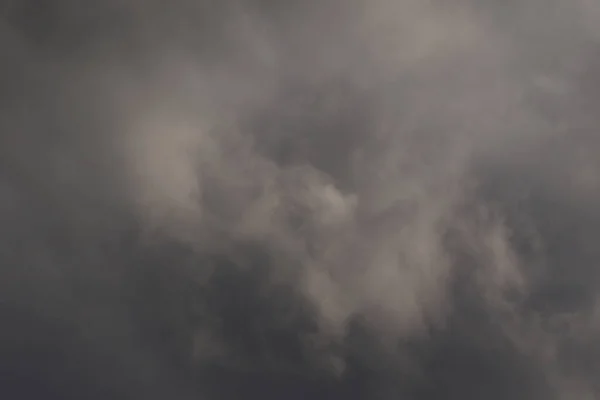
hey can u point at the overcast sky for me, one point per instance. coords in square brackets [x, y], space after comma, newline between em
[333, 199]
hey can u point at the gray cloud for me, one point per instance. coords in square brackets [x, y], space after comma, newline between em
[330, 199]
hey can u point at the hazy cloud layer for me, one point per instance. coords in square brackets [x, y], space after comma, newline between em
[325, 199]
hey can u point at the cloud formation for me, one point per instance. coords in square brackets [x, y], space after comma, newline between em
[383, 199]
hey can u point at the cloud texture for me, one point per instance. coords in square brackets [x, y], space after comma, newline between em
[328, 199]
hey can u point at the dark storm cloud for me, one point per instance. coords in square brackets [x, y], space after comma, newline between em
[220, 199]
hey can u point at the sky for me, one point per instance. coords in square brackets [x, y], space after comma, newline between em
[383, 199]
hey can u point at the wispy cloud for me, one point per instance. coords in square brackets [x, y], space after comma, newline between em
[383, 198]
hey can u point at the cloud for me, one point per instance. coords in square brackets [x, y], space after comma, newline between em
[346, 199]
